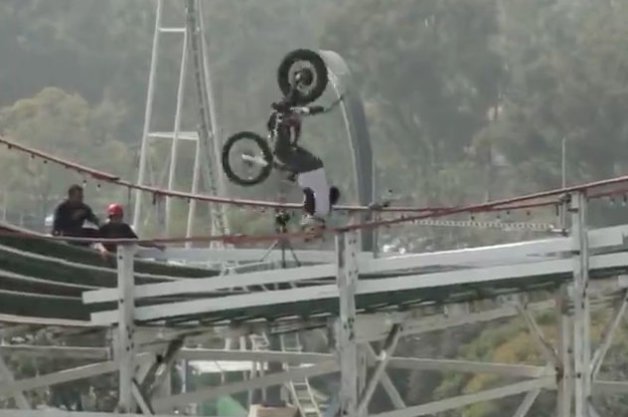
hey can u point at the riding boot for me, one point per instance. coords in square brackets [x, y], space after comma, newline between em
[316, 182]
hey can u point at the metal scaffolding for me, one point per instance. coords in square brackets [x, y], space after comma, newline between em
[205, 137]
[150, 336]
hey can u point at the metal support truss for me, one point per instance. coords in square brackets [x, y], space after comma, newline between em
[194, 50]
[214, 392]
[386, 382]
[6, 376]
[125, 352]
[464, 400]
[156, 376]
[545, 347]
[141, 398]
[607, 335]
[581, 328]
[208, 131]
[380, 370]
[347, 346]
[568, 368]
[564, 373]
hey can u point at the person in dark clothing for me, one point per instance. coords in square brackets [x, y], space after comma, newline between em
[116, 228]
[309, 169]
[71, 214]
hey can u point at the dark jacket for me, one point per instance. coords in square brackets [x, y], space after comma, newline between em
[116, 231]
[69, 218]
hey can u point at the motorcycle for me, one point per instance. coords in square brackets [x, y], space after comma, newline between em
[247, 158]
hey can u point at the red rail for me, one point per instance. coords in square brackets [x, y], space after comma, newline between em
[534, 200]
[114, 179]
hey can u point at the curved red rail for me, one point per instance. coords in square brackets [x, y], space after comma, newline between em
[114, 179]
[535, 200]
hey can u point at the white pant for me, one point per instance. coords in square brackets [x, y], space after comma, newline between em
[317, 182]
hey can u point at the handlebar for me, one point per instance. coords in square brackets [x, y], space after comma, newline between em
[305, 110]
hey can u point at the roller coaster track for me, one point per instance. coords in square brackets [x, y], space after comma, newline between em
[207, 131]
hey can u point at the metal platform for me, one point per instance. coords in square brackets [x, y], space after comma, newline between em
[156, 320]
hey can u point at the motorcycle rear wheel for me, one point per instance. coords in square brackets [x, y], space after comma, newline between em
[251, 166]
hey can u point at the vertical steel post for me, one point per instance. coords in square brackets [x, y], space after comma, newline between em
[215, 130]
[174, 149]
[150, 95]
[196, 43]
[346, 344]
[581, 328]
[565, 354]
[195, 186]
[363, 368]
[125, 346]
[7, 376]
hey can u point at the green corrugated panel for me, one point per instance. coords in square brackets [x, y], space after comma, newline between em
[91, 257]
[228, 407]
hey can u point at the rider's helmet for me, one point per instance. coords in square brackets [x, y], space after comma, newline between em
[115, 209]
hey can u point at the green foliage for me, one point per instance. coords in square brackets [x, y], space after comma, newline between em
[65, 125]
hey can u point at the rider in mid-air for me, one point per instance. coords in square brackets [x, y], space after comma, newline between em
[308, 168]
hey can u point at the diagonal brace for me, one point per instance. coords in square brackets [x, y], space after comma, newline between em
[385, 355]
[527, 403]
[386, 382]
[440, 406]
[141, 398]
[7, 376]
[607, 336]
[161, 368]
[547, 350]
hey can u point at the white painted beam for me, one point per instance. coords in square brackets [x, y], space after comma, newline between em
[387, 384]
[514, 253]
[380, 369]
[211, 393]
[65, 352]
[515, 272]
[610, 387]
[472, 367]
[607, 335]
[346, 343]
[202, 255]
[66, 375]
[253, 356]
[373, 327]
[124, 351]
[43, 321]
[6, 376]
[197, 285]
[52, 412]
[517, 252]
[527, 403]
[465, 400]
[447, 365]
[546, 348]
[511, 273]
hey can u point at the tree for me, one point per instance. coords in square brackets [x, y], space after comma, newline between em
[64, 125]
[429, 86]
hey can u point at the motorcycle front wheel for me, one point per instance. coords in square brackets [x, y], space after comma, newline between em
[247, 159]
[305, 71]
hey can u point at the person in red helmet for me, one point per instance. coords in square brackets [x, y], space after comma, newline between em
[116, 228]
